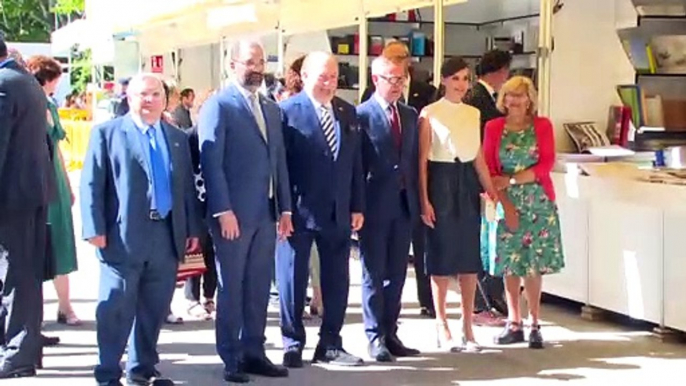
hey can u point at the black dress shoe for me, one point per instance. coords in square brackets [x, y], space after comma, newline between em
[293, 359]
[335, 356]
[236, 376]
[378, 351]
[49, 341]
[398, 349]
[427, 313]
[110, 383]
[154, 379]
[18, 372]
[264, 367]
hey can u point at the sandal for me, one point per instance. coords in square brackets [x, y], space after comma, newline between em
[69, 319]
[210, 307]
[197, 311]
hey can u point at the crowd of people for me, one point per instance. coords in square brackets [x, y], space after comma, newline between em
[263, 182]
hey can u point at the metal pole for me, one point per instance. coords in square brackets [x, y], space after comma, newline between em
[439, 40]
[364, 54]
[281, 51]
[545, 47]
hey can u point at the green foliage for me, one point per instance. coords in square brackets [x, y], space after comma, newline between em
[81, 70]
[26, 20]
[70, 7]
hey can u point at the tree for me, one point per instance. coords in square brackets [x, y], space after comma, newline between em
[26, 20]
[70, 7]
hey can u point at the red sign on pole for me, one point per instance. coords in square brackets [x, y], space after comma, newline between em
[157, 64]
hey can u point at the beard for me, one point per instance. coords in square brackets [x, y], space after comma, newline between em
[253, 78]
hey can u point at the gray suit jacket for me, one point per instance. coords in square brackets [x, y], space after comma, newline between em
[182, 117]
[114, 190]
[26, 174]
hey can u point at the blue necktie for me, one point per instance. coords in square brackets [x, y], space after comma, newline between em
[162, 200]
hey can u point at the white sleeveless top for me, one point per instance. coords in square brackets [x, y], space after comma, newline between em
[455, 131]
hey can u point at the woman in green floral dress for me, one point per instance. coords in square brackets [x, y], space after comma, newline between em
[48, 72]
[525, 240]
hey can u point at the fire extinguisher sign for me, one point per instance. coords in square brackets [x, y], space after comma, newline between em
[157, 64]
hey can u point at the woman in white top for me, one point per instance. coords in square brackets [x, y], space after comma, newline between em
[452, 172]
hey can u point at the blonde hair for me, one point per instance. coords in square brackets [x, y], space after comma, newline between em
[396, 50]
[519, 84]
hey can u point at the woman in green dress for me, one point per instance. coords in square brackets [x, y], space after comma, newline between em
[48, 72]
[526, 242]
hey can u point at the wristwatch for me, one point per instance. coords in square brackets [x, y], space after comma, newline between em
[513, 181]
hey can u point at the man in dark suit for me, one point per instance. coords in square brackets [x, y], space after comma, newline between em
[493, 71]
[182, 114]
[325, 166]
[121, 106]
[244, 164]
[417, 94]
[25, 190]
[139, 211]
[389, 159]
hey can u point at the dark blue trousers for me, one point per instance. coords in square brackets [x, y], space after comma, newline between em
[292, 273]
[385, 246]
[244, 272]
[133, 302]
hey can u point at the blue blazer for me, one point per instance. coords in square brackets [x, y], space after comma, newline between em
[114, 190]
[237, 163]
[384, 167]
[325, 191]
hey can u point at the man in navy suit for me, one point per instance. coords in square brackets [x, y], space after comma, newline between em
[243, 160]
[325, 167]
[389, 159]
[139, 211]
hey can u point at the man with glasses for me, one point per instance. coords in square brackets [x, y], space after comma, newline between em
[325, 166]
[389, 159]
[243, 160]
[416, 94]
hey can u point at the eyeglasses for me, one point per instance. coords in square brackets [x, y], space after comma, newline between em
[394, 80]
[251, 64]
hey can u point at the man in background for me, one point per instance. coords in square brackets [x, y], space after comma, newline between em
[417, 94]
[25, 178]
[182, 113]
[121, 105]
[493, 71]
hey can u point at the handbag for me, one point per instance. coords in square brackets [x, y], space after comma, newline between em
[193, 265]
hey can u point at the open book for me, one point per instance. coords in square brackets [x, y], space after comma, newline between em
[588, 139]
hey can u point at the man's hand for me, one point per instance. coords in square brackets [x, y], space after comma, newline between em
[98, 242]
[285, 228]
[192, 245]
[357, 221]
[229, 226]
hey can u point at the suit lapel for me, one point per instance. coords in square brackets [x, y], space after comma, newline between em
[383, 130]
[407, 132]
[173, 148]
[134, 144]
[312, 119]
[242, 104]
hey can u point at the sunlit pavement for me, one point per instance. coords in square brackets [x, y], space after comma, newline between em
[578, 352]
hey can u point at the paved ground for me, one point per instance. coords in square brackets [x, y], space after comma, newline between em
[579, 353]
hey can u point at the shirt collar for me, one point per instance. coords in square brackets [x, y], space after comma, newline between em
[382, 102]
[6, 62]
[317, 105]
[488, 87]
[247, 94]
[142, 126]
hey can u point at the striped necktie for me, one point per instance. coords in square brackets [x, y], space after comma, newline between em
[329, 131]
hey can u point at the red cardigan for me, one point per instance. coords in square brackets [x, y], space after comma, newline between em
[493, 133]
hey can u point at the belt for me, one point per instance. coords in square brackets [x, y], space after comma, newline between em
[156, 216]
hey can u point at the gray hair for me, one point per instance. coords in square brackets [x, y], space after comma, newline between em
[380, 63]
[139, 79]
[238, 45]
[316, 57]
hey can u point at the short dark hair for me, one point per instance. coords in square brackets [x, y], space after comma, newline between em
[3, 47]
[493, 61]
[44, 68]
[452, 66]
[187, 92]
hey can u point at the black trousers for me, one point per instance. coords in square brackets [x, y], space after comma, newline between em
[23, 236]
[208, 279]
[424, 295]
